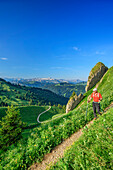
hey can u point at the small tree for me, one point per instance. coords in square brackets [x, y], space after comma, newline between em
[73, 94]
[49, 103]
[11, 127]
[30, 102]
[60, 106]
[64, 107]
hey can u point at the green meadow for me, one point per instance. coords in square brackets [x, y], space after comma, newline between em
[29, 115]
[44, 137]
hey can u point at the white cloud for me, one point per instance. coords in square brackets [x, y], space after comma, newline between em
[99, 53]
[4, 58]
[76, 48]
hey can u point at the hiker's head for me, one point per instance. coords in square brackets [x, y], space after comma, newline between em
[95, 90]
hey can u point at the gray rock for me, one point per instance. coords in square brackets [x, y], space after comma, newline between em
[73, 102]
[95, 75]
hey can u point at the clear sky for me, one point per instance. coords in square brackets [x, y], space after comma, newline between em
[55, 38]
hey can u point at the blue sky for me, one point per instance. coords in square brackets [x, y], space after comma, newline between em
[58, 39]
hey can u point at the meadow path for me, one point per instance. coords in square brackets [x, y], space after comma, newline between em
[58, 151]
[41, 114]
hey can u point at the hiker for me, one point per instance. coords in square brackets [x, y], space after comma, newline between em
[96, 99]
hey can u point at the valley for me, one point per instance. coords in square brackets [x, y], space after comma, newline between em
[21, 95]
[40, 139]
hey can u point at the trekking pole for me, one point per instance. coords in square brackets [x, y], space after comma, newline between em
[86, 111]
[101, 109]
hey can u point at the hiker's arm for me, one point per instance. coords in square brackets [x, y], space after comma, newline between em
[89, 100]
[100, 97]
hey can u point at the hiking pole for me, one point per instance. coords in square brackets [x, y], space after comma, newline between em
[86, 111]
[101, 109]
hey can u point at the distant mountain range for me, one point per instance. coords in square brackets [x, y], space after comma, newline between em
[42, 80]
[59, 86]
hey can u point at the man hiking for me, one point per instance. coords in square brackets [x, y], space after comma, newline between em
[96, 99]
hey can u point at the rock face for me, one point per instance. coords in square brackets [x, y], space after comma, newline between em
[95, 75]
[73, 102]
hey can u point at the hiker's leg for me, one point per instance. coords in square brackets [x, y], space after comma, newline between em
[94, 110]
[98, 108]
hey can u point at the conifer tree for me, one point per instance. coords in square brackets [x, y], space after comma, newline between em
[11, 127]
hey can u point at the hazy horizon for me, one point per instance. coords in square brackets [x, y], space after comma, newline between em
[41, 78]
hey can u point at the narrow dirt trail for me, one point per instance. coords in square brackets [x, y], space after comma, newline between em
[58, 151]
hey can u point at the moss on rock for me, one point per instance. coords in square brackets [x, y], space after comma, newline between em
[95, 75]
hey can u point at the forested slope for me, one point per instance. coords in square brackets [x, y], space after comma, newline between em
[21, 95]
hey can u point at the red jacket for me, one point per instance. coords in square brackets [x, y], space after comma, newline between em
[96, 96]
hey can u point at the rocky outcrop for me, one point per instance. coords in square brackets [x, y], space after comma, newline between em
[95, 75]
[73, 102]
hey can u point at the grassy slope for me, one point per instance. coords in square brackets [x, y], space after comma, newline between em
[29, 115]
[8, 93]
[54, 111]
[43, 139]
[94, 149]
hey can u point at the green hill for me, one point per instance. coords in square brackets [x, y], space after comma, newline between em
[61, 88]
[21, 95]
[94, 150]
[66, 89]
[29, 116]
[44, 138]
